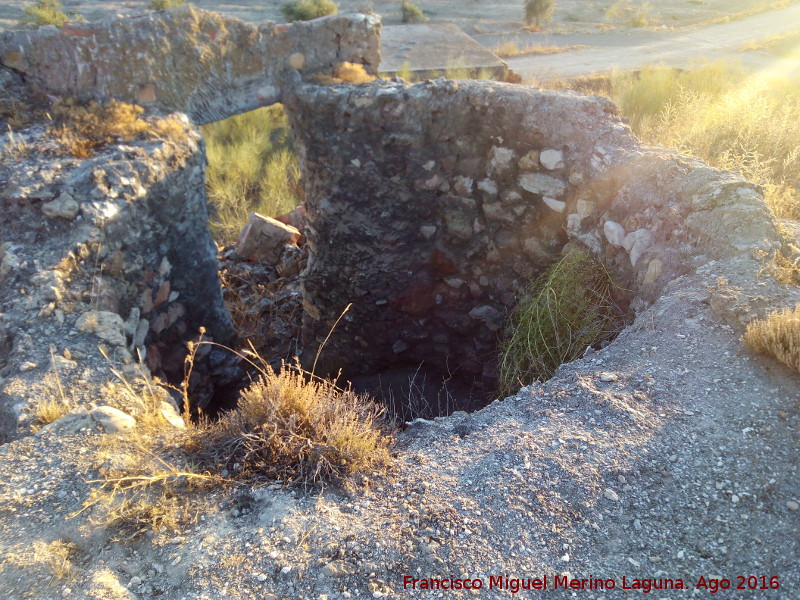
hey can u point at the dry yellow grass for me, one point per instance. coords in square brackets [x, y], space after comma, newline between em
[296, 429]
[50, 562]
[50, 409]
[758, 7]
[719, 113]
[778, 336]
[345, 72]
[83, 128]
[510, 49]
[139, 490]
[777, 45]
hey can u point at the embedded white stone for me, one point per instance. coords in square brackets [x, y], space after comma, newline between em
[501, 158]
[614, 232]
[544, 185]
[112, 419]
[488, 186]
[556, 205]
[552, 159]
[637, 243]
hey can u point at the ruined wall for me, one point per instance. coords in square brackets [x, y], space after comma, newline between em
[430, 206]
[112, 250]
[198, 62]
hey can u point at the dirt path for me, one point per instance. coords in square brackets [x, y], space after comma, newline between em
[676, 48]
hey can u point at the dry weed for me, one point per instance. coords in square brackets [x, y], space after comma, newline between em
[778, 336]
[141, 491]
[778, 45]
[345, 72]
[55, 405]
[54, 560]
[295, 429]
[50, 409]
[83, 128]
[511, 48]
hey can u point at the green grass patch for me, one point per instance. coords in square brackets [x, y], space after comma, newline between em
[567, 309]
[251, 167]
[305, 10]
[44, 12]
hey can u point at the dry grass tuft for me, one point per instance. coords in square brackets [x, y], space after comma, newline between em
[625, 12]
[345, 72]
[57, 558]
[50, 409]
[715, 111]
[294, 429]
[83, 128]
[56, 405]
[569, 308]
[778, 45]
[785, 263]
[348, 72]
[140, 491]
[512, 48]
[778, 336]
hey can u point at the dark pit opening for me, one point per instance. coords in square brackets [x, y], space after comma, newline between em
[430, 244]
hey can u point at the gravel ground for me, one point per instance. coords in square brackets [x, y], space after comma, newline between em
[667, 458]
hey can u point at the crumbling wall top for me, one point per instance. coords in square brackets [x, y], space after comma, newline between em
[198, 62]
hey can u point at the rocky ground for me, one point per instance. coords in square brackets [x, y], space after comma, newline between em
[667, 459]
[670, 454]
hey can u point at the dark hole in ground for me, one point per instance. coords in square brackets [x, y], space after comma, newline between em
[408, 390]
[411, 391]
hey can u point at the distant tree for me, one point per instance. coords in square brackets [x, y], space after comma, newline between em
[412, 13]
[538, 12]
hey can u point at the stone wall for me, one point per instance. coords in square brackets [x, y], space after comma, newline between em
[197, 62]
[430, 206]
[112, 251]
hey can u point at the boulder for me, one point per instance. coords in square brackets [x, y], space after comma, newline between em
[263, 239]
[113, 420]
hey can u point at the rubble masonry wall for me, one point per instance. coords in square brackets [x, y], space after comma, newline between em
[430, 207]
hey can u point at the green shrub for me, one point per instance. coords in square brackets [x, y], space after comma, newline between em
[538, 12]
[305, 10]
[44, 12]
[567, 309]
[251, 167]
[412, 13]
[165, 4]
